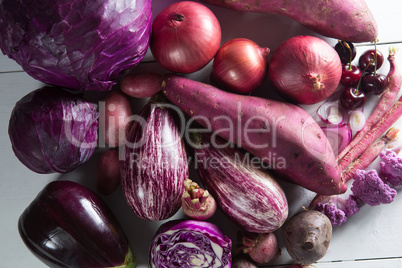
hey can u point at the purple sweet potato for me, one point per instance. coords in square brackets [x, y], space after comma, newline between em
[283, 136]
[349, 20]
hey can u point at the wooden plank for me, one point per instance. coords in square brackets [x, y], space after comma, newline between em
[371, 263]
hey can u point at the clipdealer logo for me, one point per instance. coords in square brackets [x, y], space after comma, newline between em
[240, 132]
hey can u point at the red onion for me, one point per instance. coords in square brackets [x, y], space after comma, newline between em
[185, 37]
[357, 120]
[339, 136]
[330, 109]
[305, 70]
[240, 65]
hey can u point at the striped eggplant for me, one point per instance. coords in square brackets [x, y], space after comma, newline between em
[68, 225]
[249, 196]
[155, 165]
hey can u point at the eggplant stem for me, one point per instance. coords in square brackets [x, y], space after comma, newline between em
[129, 262]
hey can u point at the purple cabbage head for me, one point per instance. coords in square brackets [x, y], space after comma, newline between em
[52, 130]
[188, 244]
[75, 44]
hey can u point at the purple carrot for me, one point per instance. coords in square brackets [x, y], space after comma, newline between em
[389, 118]
[387, 99]
[369, 155]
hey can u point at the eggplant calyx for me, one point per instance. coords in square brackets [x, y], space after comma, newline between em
[129, 262]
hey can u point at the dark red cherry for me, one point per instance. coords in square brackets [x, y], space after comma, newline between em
[367, 61]
[373, 84]
[346, 51]
[352, 98]
[351, 75]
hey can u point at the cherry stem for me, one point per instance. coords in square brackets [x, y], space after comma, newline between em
[360, 80]
[351, 54]
[358, 85]
[375, 56]
[345, 45]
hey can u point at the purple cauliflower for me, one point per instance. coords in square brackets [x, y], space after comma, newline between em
[337, 208]
[391, 168]
[370, 188]
[335, 215]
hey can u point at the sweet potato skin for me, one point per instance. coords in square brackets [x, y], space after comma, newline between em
[282, 135]
[349, 20]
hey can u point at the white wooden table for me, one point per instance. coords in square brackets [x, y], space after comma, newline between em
[372, 238]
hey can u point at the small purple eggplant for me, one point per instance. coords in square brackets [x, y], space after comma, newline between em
[155, 165]
[68, 225]
[249, 196]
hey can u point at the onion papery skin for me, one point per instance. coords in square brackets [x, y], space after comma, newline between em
[76, 44]
[240, 65]
[190, 243]
[155, 165]
[305, 70]
[185, 37]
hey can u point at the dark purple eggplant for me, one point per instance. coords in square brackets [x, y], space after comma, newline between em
[155, 165]
[68, 225]
[249, 196]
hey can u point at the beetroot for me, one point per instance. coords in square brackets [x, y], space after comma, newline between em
[307, 236]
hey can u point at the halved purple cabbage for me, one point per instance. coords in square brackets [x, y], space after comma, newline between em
[52, 130]
[75, 44]
[190, 243]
